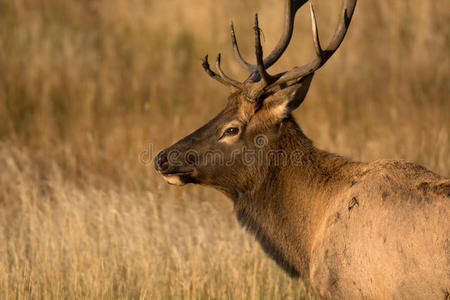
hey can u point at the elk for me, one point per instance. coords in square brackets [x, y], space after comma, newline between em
[355, 230]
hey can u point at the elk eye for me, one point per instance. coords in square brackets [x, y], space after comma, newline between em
[231, 131]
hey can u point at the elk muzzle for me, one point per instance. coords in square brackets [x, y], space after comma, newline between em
[174, 169]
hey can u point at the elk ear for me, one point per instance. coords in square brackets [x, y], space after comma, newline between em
[286, 100]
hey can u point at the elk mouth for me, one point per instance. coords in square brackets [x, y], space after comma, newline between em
[179, 177]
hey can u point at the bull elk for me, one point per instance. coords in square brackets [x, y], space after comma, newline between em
[356, 230]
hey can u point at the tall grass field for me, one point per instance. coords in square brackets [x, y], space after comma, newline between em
[91, 90]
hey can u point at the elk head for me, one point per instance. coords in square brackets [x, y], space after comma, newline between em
[219, 154]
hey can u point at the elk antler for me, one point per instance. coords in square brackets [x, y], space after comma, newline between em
[265, 77]
[345, 16]
[222, 78]
[258, 73]
[291, 8]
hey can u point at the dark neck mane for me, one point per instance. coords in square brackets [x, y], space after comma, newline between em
[283, 210]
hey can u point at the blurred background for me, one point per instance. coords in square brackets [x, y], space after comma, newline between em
[90, 90]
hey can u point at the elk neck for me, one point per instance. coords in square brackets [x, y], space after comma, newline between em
[284, 205]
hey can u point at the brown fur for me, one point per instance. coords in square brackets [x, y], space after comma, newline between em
[357, 230]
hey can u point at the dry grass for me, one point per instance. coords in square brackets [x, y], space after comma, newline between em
[88, 87]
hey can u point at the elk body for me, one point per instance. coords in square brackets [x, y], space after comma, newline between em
[356, 230]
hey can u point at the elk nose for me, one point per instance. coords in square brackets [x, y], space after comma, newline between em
[161, 161]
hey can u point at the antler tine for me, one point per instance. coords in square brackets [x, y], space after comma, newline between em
[224, 80]
[259, 56]
[348, 7]
[315, 32]
[291, 8]
[230, 80]
[237, 53]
